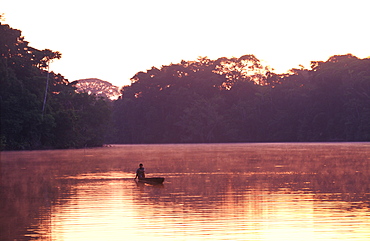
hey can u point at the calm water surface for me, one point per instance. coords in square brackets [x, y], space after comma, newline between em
[279, 191]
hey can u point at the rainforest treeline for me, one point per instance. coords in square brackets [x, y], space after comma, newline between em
[63, 118]
[222, 100]
[239, 100]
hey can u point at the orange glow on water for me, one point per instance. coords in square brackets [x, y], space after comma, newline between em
[211, 192]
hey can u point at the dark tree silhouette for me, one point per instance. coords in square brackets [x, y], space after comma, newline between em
[238, 99]
[67, 119]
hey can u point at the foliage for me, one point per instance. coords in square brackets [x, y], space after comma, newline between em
[98, 87]
[222, 100]
[70, 119]
[239, 100]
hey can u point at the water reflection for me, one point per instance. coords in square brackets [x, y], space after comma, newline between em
[211, 192]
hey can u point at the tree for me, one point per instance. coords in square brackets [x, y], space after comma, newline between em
[202, 122]
[98, 87]
[67, 119]
[183, 102]
[237, 99]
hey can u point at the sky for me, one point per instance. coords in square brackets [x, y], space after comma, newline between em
[113, 40]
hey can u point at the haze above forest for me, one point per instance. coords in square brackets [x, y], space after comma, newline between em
[205, 100]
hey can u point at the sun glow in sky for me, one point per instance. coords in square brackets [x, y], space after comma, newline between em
[113, 40]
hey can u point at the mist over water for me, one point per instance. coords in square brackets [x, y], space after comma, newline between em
[273, 191]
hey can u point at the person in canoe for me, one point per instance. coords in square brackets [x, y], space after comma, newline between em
[140, 172]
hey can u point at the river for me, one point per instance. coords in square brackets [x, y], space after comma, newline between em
[246, 191]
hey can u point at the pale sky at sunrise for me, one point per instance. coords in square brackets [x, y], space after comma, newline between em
[112, 40]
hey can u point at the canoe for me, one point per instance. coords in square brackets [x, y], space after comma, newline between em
[152, 180]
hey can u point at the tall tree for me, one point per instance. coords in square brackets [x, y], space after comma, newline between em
[67, 119]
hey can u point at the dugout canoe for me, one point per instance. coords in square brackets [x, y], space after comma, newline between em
[152, 180]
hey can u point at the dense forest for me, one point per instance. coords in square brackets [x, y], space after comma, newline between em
[222, 100]
[239, 100]
[41, 109]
